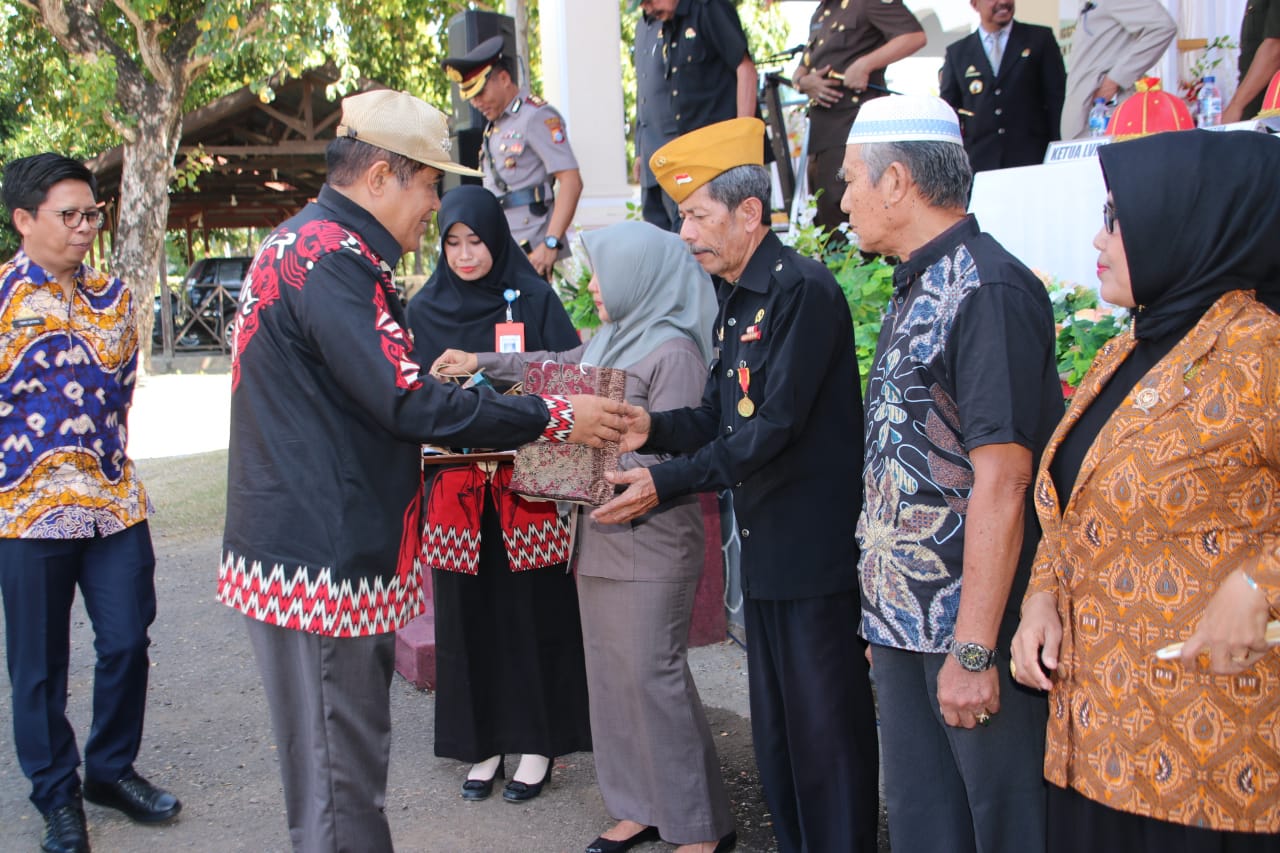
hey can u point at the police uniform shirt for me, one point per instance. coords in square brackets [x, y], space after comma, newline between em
[686, 74]
[524, 148]
[840, 31]
[793, 454]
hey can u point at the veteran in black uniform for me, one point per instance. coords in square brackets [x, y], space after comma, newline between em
[781, 425]
[526, 157]
[1006, 81]
[692, 70]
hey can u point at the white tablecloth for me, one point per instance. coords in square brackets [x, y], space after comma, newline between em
[1045, 215]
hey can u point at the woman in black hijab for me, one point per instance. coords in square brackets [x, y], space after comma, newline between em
[1159, 496]
[465, 307]
[510, 676]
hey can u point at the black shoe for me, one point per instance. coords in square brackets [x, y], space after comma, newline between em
[518, 792]
[727, 843]
[136, 797]
[608, 845]
[65, 830]
[480, 789]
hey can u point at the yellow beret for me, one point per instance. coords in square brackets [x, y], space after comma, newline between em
[687, 162]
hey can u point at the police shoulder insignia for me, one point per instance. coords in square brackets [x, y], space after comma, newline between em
[556, 128]
[535, 101]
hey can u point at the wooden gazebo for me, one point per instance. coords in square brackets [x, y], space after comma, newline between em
[262, 161]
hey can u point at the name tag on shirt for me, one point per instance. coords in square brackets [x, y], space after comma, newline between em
[508, 337]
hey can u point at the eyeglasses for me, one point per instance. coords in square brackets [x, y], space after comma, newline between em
[1109, 217]
[72, 217]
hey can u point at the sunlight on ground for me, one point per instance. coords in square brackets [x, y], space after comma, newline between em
[179, 414]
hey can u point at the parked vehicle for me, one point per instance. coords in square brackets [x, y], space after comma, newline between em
[212, 288]
[204, 307]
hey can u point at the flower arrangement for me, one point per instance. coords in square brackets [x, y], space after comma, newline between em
[1082, 327]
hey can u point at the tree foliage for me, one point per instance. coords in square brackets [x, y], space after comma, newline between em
[80, 76]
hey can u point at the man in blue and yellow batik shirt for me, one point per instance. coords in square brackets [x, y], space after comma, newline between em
[72, 510]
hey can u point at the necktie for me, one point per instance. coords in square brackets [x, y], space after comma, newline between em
[993, 50]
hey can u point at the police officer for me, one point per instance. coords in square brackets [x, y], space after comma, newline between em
[1006, 81]
[525, 152]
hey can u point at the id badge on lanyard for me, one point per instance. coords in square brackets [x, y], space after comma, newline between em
[509, 336]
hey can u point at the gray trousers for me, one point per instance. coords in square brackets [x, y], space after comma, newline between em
[953, 790]
[331, 714]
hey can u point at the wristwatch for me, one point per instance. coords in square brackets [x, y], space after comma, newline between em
[974, 657]
[552, 243]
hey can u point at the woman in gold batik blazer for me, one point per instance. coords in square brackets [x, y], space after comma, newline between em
[1159, 495]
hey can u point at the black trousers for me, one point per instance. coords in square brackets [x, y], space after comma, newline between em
[38, 578]
[953, 790]
[813, 722]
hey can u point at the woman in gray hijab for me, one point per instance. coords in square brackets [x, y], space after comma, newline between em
[655, 759]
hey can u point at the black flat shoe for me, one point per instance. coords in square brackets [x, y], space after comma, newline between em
[727, 843]
[136, 797]
[65, 830]
[519, 792]
[608, 845]
[480, 789]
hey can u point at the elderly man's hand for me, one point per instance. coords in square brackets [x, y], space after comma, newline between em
[637, 433]
[967, 699]
[596, 420]
[455, 362]
[640, 497]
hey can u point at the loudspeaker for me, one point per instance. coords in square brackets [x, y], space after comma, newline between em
[466, 150]
[466, 30]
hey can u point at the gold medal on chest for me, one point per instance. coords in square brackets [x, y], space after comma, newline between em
[746, 408]
[975, 88]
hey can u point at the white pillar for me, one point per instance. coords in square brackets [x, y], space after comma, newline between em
[582, 77]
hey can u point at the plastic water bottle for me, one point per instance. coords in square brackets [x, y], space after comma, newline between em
[1098, 117]
[1210, 104]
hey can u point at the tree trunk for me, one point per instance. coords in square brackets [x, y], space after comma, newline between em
[144, 203]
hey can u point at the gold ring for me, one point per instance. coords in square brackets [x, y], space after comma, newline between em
[983, 718]
[1013, 669]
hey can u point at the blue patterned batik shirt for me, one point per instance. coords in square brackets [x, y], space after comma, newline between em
[67, 371]
[965, 359]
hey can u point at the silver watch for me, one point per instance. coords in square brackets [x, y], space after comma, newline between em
[974, 657]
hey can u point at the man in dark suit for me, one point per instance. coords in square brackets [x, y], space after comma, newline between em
[1006, 82]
